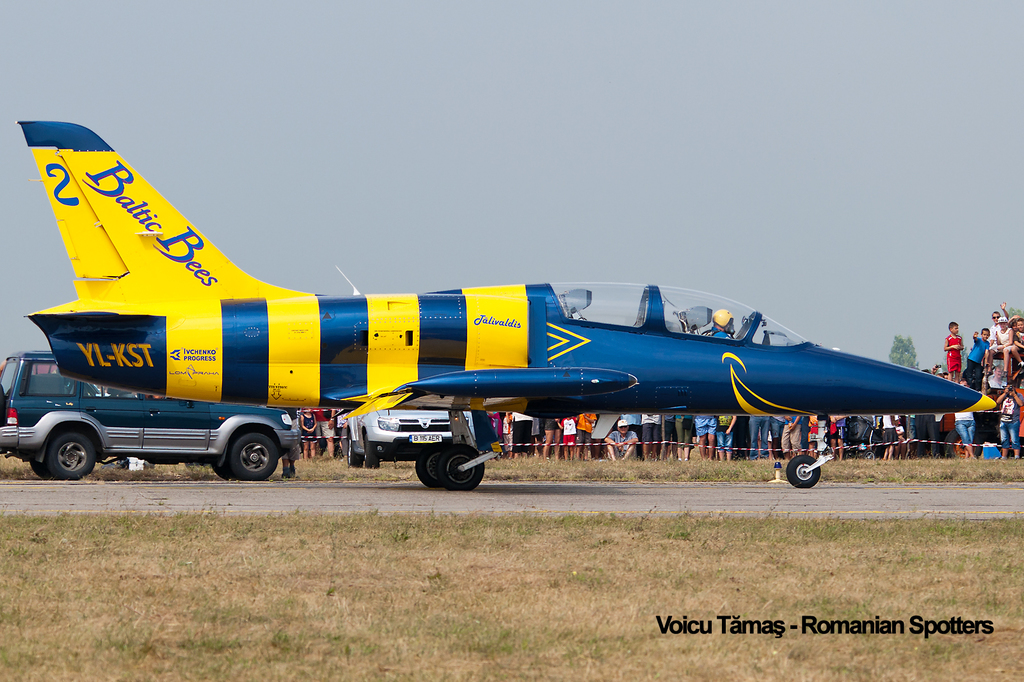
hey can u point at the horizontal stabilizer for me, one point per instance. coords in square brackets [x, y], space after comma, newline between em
[529, 382]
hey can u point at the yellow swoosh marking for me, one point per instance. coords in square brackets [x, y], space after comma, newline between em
[746, 406]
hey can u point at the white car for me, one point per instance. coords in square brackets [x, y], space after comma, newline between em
[396, 435]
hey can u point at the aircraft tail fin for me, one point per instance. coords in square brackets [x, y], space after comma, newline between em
[127, 244]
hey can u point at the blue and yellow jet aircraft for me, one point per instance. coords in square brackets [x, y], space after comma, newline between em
[161, 310]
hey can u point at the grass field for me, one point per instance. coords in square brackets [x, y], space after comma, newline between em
[467, 598]
[848, 471]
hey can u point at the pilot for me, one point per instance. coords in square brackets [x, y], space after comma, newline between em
[723, 324]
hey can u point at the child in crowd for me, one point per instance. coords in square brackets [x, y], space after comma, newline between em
[724, 436]
[569, 437]
[954, 348]
[307, 426]
[976, 358]
[584, 432]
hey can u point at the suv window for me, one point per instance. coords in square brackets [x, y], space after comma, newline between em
[44, 379]
[93, 391]
[7, 372]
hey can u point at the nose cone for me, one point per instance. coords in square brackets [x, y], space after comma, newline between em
[985, 403]
[862, 386]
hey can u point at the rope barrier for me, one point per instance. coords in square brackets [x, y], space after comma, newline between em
[845, 446]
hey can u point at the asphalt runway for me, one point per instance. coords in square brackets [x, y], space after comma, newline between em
[845, 500]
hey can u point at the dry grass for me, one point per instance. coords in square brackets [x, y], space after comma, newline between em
[848, 471]
[466, 598]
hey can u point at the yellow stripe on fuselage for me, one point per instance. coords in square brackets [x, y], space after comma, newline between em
[194, 336]
[293, 351]
[497, 333]
[394, 341]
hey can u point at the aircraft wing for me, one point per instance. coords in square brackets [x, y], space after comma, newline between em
[494, 388]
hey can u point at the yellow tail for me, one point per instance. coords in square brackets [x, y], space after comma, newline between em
[127, 243]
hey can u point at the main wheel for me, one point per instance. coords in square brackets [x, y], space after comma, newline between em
[224, 471]
[70, 456]
[426, 467]
[448, 474]
[799, 474]
[40, 470]
[252, 457]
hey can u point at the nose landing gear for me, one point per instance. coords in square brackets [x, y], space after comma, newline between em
[803, 471]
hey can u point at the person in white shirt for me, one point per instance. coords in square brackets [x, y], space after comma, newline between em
[964, 425]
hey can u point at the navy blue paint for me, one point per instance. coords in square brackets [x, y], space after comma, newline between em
[525, 382]
[344, 323]
[806, 377]
[246, 351]
[443, 331]
[655, 320]
[65, 332]
[62, 136]
[537, 332]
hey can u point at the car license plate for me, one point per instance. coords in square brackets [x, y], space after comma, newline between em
[425, 438]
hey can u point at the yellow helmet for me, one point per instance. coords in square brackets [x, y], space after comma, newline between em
[723, 319]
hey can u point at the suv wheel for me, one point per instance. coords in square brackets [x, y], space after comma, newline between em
[223, 470]
[70, 456]
[40, 470]
[426, 467]
[353, 457]
[370, 458]
[252, 457]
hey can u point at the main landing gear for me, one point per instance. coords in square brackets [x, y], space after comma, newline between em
[459, 466]
[804, 471]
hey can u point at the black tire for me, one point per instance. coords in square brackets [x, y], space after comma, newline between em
[448, 474]
[224, 471]
[797, 474]
[954, 446]
[40, 470]
[70, 456]
[354, 458]
[252, 457]
[426, 467]
[371, 460]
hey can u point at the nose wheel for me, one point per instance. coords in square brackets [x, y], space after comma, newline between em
[803, 471]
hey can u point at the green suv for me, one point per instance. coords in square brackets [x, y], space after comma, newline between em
[62, 427]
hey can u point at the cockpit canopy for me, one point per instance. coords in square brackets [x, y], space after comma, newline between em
[682, 311]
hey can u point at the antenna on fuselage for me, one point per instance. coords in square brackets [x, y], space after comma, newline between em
[355, 292]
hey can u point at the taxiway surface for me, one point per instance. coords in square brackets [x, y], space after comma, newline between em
[972, 501]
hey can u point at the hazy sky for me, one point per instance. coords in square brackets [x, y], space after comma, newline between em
[852, 170]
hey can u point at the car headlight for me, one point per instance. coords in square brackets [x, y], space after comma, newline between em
[286, 419]
[388, 423]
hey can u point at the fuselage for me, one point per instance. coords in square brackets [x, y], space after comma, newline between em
[340, 351]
